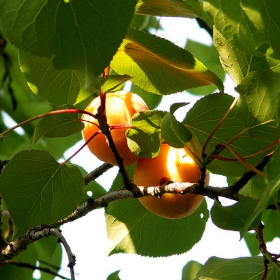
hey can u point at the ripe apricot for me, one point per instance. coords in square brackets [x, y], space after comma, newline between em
[120, 107]
[170, 165]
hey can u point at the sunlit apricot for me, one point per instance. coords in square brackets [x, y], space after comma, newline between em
[120, 107]
[174, 165]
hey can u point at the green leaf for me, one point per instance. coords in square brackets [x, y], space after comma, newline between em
[56, 86]
[114, 276]
[114, 82]
[233, 217]
[174, 132]
[236, 269]
[59, 125]
[12, 272]
[144, 137]
[159, 66]
[234, 61]
[255, 187]
[271, 189]
[82, 35]
[210, 58]
[38, 190]
[169, 8]
[259, 95]
[175, 106]
[190, 270]
[252, 243]
[49, 255]
[132, 229]
[251, 26]
[204, 116]
[271, 229]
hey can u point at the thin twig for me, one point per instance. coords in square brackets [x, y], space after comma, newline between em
[71, 256]
[33, 267]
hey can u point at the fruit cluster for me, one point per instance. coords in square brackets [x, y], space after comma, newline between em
[170, 165]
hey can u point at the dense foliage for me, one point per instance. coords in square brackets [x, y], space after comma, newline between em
[55, 56]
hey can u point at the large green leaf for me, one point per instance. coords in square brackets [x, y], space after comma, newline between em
[204, 116]
[132, 229]
[37, 189]
[169, 8]
[82, 35]
[232, 217]
[159, 66]
[236, 269]
[56, 86]
[253, 26]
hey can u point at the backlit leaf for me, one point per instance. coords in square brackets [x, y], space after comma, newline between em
[204, 116]
[56, 86]
[144, 137]
[165, 8]
[132, 229]
[38, 190]
[251, 26]
[159, 66]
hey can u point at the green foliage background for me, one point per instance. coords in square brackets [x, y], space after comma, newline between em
[52, 56]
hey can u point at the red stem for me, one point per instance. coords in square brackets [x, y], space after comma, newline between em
[242, 160]
[55, 112]
[218, 125]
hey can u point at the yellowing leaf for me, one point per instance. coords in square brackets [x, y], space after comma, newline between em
[157, 65]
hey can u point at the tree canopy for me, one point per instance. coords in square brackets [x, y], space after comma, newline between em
[56, 56]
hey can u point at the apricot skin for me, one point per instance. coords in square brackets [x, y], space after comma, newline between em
[175, 165]
[120, 107]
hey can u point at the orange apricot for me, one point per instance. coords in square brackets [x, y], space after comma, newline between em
[170, 165]
[120, 107]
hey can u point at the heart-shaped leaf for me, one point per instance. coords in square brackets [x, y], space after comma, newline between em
[38, 190]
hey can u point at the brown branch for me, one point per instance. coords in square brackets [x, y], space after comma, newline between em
[248, 175]
[18, 245]
[97, 172]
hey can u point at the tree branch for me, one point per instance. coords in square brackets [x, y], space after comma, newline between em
[33, 267]
[97, 172]
[16, 246]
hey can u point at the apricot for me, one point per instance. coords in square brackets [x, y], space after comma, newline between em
[120, 107]
[170, 165]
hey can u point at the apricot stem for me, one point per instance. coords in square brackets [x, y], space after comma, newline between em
[75, 153]
[55, 112]
[246, 157]
[217, 126]
[242, 160]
